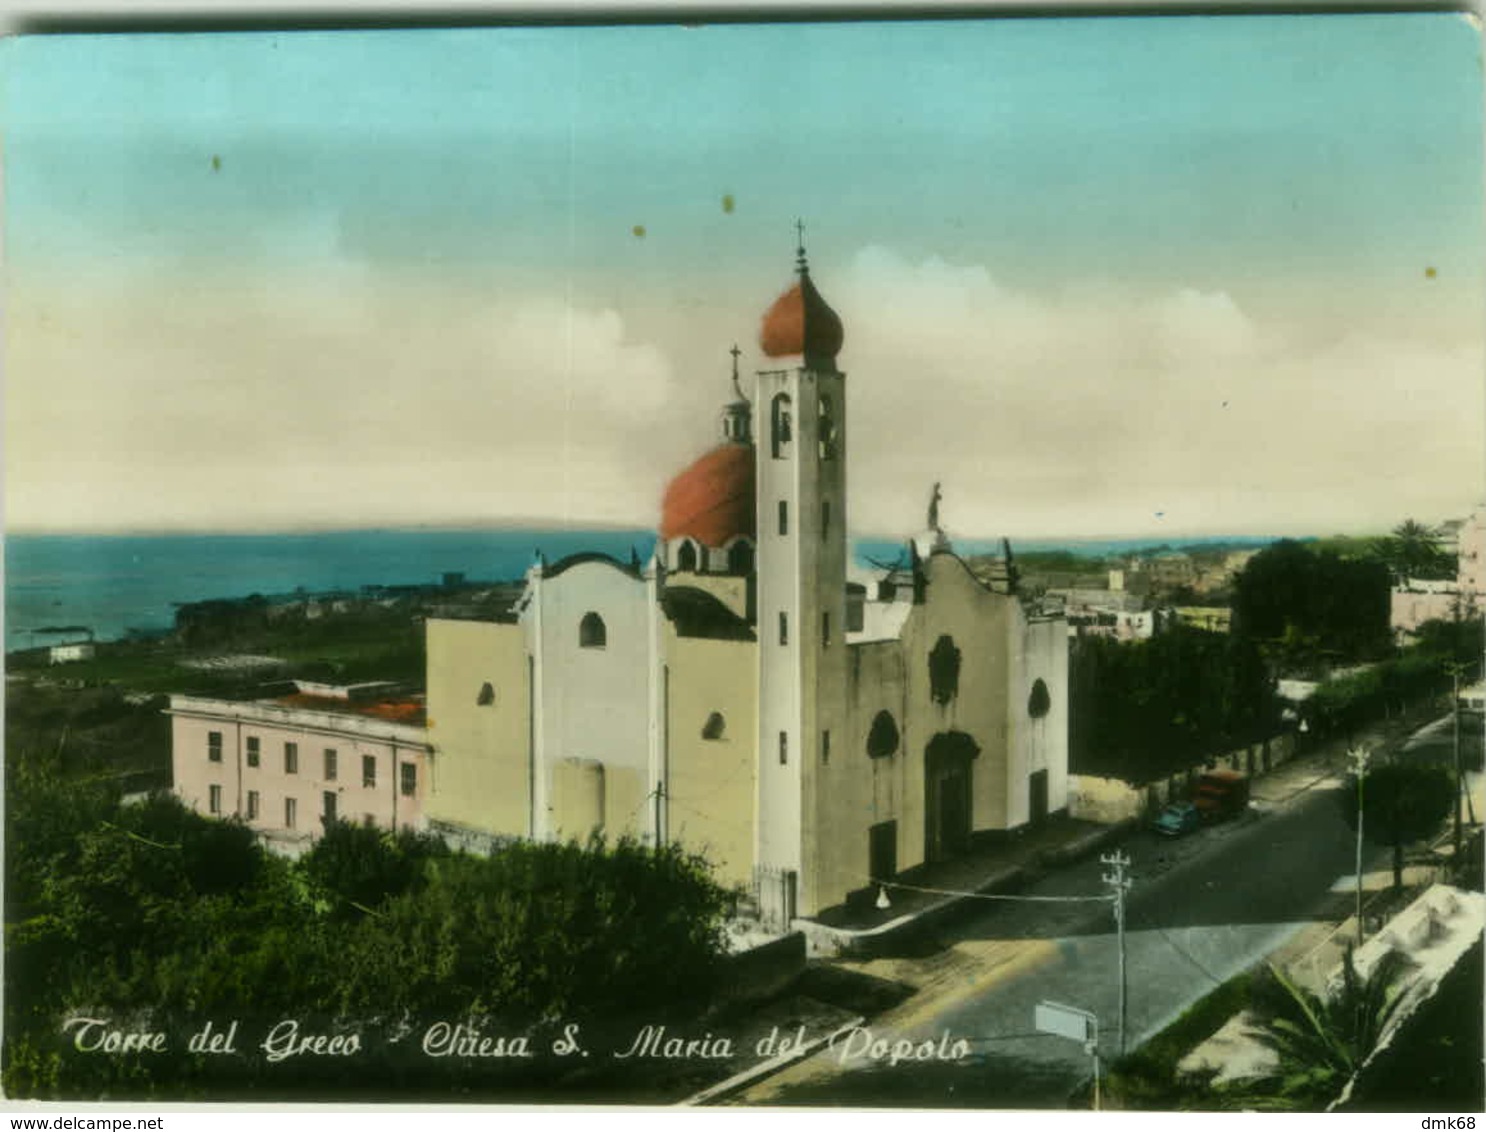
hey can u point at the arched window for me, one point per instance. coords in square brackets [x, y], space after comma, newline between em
[827, 429]
[1040, 702]
[944, 670]
[591, 632]
[686, 559]
[486, 696]
[740, 558]
[779, 430]
[714, 727]
[882, 739]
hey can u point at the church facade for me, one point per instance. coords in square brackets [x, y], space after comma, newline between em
[810, 732]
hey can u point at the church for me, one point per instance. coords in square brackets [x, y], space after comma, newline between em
[747, 693]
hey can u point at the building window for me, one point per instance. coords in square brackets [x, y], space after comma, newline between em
[252, 805]
[882, 739]
[328, 802]
[291, 758]
[1040, 702]
[944, 670]
[291, 812]
[214, 746]
[827, 430]
[592, 633]
[825, 518]
[825, 747]
[783, 747]
[254, 749]
[686, 559]
[784, 516]
[825, 629]
[783, 628]
[779, 432]
[740, 558]
[369, 771]
[409, 779]
[214, 799]
[331, 764]
[487, 695]
[714, 727]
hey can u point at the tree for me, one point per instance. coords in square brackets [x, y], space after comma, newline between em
[1412, 551]
[1322, 1041]
[1401, 803]
[1308, 607]
[353, 868]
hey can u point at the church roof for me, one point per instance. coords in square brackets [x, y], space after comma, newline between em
[697, 613]
[712, 500]
[801, 323]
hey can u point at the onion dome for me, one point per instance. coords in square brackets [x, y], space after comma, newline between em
[801, 323]
[712, 501]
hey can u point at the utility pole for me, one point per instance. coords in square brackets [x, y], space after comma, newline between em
[659, 794]
[1119, 884]
[1456, 670]
[1359, 757]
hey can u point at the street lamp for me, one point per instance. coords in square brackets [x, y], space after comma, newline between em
[1359, 757]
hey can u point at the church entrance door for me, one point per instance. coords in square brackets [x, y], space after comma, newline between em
[947, 782]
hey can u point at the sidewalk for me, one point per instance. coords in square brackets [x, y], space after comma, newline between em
[925, 895]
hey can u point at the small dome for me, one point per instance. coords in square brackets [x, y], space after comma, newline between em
[801, 323]
[712, 501]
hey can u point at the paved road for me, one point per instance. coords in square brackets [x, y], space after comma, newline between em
[1201, 910]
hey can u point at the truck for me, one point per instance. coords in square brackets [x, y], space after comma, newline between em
[1220, 794]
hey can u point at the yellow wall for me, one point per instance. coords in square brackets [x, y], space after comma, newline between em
[577, 799]
[713, 781]
[480, 776]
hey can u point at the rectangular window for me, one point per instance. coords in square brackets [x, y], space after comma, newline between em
[252, 805]
[784, 516]
[291, 758]
[214, 746]
[214, 802]
[409, 779]
[368, 770]
[253, 749]
[291, 812]
[783, 747]
[825, 518]
[825, 628]
[825, 746]
[783, 628]
[330, 764]
[328, 802]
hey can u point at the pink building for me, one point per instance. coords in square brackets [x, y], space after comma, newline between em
[286, 764]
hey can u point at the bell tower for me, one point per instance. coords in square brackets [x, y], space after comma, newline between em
[800, 437]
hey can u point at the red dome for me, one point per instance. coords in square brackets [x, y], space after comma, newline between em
[801, 323]
[712, 501]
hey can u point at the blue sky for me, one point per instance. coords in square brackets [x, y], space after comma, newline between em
[1250, 198]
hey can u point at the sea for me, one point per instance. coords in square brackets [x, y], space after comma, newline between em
[118, 585]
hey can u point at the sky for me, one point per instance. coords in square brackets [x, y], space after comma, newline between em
[1163, 275]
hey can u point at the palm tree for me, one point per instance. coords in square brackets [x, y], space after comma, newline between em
[1412, 552]
[1322, 1041]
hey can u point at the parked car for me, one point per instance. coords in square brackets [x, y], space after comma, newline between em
[1177, 819]
[1221, 794]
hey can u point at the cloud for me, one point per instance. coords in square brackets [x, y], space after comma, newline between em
[1095, 410]
[337, 395]
[339, 399]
